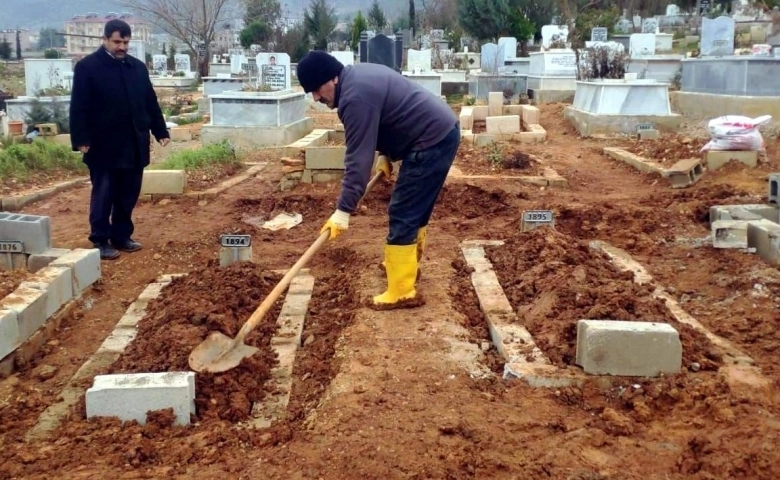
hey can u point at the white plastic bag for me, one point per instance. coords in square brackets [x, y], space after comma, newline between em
[735, 132]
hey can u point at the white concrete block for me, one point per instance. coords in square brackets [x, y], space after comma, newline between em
[85, 267]
[503, 125]
[479, 113]
[131, 396]
[495, 104]
[9, 332]
[39, 260]
[57, 282]
[733, 233]
[30, 307]
[118, 340]
[169, 182]
[624, 348]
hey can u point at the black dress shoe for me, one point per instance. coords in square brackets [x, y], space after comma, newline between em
[128, 245]
[107, 252]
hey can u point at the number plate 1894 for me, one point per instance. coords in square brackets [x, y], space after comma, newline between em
[538, 216]
[235, 240]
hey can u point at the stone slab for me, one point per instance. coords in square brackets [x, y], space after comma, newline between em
[745, 212]
[640, 163]
[38, 261]
[57, 283]
[85, 267]
[166, 182]
[495, 103]
[30, 307]
[9, 332]
[325, 158]
[733, 233]
[625, 348]
[131, 396]
[503, 125]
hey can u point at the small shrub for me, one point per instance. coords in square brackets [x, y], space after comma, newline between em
[602, 62]
[20, 161]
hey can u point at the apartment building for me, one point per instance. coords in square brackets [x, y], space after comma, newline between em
[85, 31]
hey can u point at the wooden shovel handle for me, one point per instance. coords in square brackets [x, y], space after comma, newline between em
[260, 312]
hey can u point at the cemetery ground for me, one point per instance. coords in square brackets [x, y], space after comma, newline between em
[419, 393]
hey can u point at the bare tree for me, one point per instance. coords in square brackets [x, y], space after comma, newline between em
[193, 22]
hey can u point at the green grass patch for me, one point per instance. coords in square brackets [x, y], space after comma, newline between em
[216, 154]
[21, 160]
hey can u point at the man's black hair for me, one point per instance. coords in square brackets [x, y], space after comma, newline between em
[117, 25]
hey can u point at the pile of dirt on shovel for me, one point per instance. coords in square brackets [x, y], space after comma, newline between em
[209, 299]
[554, 280]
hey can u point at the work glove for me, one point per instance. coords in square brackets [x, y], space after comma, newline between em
[338, 223]
[383, 164]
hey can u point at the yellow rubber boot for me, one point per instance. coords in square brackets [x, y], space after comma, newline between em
[421, 241]
[401, 267]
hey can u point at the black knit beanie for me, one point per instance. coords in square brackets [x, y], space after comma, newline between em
[316, 68]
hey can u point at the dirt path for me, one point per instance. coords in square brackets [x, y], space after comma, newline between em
[415, 393]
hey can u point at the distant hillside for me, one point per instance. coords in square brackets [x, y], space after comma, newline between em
[36, 14]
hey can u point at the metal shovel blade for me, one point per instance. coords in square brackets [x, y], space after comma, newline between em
[219, 353]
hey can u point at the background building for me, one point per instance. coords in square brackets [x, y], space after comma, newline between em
[92, 25]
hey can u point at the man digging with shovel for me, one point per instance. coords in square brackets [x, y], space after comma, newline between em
[383, 111]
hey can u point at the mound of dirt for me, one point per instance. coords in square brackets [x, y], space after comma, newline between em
[668, 149]
[554, 280]
[470, 201]
[11, 279]
[209, 299]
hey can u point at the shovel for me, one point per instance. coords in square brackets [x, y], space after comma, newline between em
[218, 352]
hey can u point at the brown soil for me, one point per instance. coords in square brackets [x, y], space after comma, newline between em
[210, 176]
[667, 149]
[10, 279]
[554, 280]
[413, 393]
[38, 181]
[495, 160]
[190, 308]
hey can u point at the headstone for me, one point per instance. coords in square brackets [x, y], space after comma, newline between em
[425, 42]
[42, 74]
[418, 60]
[181, 62]
[159, 63]
[437, 34]
[274, 70]
[510, 46]
[492, 57]
[235, 63]
[136, 49]
[554, 33]
[398, 44]
[672, 10]
[346, 58]
[624, 25]
[717, 36]
[381, 49]
[599, 34]
[650, 25]
[363, 47]
[642, 44]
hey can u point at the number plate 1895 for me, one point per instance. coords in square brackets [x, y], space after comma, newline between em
[538, 216]
[235, 240]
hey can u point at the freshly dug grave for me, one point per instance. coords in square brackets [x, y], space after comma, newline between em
[470, 201]
[668, 149]
[554, 280]
[209, 299]
[495, 159]
[209, 176]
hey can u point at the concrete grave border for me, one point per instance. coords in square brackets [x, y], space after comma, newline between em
[40, 303]
[529, 129]
[174, 184]
[682, 174]
[523, 358]
[285, 343]
[13, 203]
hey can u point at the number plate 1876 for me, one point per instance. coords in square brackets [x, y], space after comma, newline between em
[11, 247]
[538, 216]
[235, 240]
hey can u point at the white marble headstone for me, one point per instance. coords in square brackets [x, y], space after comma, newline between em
[492, 57]
[182, 62]
[136, 49]
[345, 57]
[642, 44]
[553, 33]
[159, 63]
[510, 46]
[44, 74]
[672, 10]
[624, 25]
[274, 70]
[418, 60]
[650, 25]
[236, 60]
[717, 36]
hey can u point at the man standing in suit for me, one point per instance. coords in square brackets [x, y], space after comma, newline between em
[113, 107]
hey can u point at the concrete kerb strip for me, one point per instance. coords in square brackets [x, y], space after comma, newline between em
[681, 175]
[732, 355]
[524, 360]
[531, 130]
[285, 342]
[213, 191]
[14, 203]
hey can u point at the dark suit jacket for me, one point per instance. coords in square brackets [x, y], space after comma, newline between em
[113, 107]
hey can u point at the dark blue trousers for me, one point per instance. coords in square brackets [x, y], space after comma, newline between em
[420, 180]
[115, 192]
